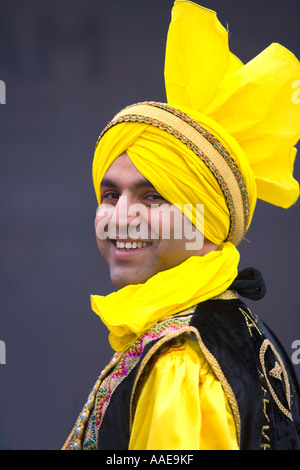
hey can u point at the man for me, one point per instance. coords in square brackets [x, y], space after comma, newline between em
[194, 368]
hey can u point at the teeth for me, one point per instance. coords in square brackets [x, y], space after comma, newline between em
[131, 245]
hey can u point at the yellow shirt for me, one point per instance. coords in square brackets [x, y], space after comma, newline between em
[182, 405]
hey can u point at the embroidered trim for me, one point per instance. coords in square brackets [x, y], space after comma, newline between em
[263, 349]
[251, 321]
[265, 439]
[73, 441]
[227, 295]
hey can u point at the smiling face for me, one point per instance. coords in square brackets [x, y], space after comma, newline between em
[137, 248]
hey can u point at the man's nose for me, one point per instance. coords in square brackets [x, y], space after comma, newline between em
[121, 216]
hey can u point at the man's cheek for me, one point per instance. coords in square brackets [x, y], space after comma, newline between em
[103, 226]
[166, 222]
[103, 247]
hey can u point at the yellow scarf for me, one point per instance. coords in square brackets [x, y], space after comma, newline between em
[130, 311]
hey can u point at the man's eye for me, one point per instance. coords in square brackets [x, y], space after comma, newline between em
[155, 197]
[110, 195]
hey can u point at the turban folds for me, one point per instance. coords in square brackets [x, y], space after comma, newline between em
[248, 110]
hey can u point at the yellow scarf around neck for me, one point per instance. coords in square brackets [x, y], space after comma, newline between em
[132, 310]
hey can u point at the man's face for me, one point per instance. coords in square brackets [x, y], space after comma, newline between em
[137, 248]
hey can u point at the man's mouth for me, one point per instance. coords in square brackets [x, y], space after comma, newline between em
[130, 245]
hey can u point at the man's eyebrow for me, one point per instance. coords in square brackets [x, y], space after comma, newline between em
[106, 182]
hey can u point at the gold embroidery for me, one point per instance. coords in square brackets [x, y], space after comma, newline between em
[265, 403]
[251, 321]
[264, 429]
[276, 372]
[261, 375]
[263, 349]
[83, 418]
[227, 295]
[265, 446]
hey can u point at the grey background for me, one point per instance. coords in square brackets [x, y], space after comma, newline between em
[68, 67]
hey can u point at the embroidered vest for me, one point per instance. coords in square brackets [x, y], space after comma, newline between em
[255, 373]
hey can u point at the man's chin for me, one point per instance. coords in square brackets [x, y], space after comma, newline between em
[124, 279]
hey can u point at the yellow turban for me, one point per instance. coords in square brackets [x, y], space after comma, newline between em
[248, 123]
